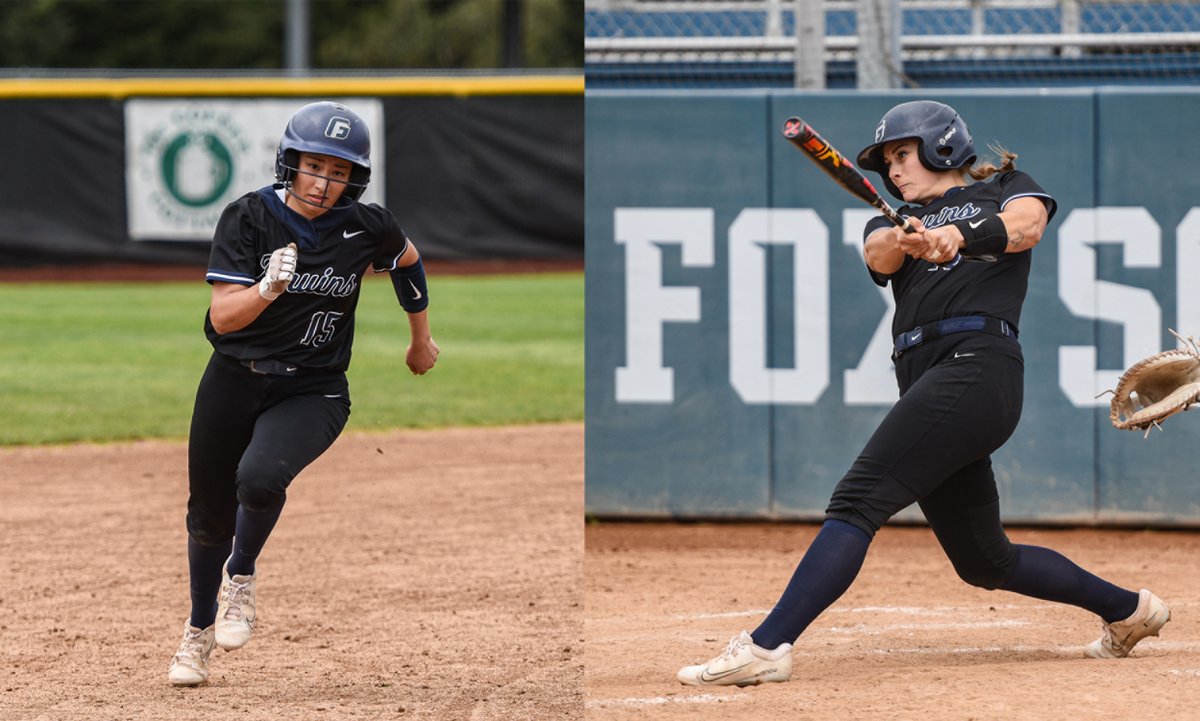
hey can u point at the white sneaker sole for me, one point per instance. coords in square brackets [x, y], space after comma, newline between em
[233, 639]
[184, 676]
[696, 676]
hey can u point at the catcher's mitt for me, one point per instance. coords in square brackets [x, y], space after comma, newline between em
[1155, 388]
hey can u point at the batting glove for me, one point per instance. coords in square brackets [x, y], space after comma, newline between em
[280, 270]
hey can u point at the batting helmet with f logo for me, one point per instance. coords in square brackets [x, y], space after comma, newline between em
[326, 128]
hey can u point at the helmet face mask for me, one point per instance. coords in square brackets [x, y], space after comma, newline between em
[319, 182]
[943, 140]
[287, 167]
[325, 128]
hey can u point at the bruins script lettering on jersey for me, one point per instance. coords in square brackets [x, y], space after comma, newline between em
[323, 283]
[950, 214]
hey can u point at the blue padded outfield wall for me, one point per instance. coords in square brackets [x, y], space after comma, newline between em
[738, 352]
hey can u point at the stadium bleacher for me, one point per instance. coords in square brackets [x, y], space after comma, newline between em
[1139, 17]
[1117, 63]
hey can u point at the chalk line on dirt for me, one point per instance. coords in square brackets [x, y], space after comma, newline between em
[906, 610]
[873, 630]
[899, 610]
[1192, 672]
[635, 702]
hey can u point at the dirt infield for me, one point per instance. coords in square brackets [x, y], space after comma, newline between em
[908, 641]
[413, 575]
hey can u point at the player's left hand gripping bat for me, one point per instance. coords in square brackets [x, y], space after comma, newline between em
[802, 135]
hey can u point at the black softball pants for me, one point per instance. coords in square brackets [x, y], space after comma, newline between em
[960, 400]
[251, 434]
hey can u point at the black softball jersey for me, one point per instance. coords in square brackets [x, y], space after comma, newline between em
[926, 292]
[311, 326]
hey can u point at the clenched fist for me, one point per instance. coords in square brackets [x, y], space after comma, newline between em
[280, 270]
[421, 356]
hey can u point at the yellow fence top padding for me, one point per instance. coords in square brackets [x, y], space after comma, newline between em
[365, 86]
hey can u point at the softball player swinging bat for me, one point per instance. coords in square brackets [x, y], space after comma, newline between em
[959, 277]
[286, 269]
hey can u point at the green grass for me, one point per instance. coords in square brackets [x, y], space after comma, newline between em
[103, 362]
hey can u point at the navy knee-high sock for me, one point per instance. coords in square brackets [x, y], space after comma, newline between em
[253, 528]
[1051, 576]
[826, 571]
[204, 580]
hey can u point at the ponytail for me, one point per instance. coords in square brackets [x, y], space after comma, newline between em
[1007, 163]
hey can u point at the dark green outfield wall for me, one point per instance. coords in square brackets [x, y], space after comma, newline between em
[737, 351]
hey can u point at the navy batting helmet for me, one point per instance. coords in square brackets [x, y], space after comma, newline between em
[328, 129]
[944, 142]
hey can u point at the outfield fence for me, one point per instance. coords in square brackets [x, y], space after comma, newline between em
[138, 169]
[738, 354]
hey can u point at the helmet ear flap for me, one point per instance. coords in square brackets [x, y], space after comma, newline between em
[359, 177]
[891, 188]
[286, 161]
[947, 145]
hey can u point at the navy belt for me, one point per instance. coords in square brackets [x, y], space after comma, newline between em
[273, 367]
[924, 333]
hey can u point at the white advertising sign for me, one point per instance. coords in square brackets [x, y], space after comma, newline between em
[185, 160]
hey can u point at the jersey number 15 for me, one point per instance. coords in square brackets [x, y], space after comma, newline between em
[321, 328]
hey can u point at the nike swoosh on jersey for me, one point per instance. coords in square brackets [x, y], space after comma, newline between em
[348, 234]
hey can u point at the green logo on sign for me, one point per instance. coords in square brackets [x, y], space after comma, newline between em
[197, 168]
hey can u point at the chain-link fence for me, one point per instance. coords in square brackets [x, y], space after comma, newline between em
[891, 43]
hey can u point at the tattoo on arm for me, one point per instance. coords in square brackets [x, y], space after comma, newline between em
[1016, 240]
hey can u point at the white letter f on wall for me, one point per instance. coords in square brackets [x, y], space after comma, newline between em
[648, 304]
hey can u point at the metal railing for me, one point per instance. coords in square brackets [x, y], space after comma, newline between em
[882, 37]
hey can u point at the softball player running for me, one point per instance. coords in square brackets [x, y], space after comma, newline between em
[959, 281]
[286, 269]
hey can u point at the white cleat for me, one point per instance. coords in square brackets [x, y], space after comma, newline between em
[741, 664]
[190, 665]
[235, 610]
[1119, 638]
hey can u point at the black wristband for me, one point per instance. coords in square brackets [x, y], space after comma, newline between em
[411, 288]
[983, 236]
